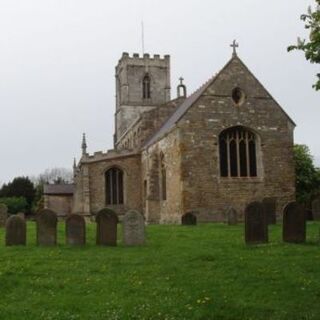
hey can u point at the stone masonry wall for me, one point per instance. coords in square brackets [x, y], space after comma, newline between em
[156, 209]
[132, 181]
[61, 204]
[204, 190]
[148, 123]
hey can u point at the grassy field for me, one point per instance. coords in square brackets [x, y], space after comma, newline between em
[203, 272]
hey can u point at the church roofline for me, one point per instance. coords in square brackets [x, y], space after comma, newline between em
[170, 123]
[109, 155]
[271, 97]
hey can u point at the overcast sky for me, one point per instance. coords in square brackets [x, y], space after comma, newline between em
[57, 62]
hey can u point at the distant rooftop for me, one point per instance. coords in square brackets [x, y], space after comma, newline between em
[58, 189]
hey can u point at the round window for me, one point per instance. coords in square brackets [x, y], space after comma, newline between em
[238, 96]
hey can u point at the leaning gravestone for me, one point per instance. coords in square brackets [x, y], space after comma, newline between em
[316, 209]
[256, 227]
[3, 214]
[76, 230]
[46, 228]
[232, 216]
[107, 221]
[270, 209]
[189, 219]
[15, 231]
[294, 223]
[133, 229]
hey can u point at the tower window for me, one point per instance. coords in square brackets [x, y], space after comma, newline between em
[114, 186]
[146, 93]
[237, 148]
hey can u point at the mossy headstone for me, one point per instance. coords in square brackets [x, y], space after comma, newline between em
[15, 231]
[107, 221]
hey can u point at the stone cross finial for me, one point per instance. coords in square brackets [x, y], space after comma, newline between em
[234, 46]
[181, 80]
[84, 144]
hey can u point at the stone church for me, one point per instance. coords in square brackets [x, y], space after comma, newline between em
[226, 144]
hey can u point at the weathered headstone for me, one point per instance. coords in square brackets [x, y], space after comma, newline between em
[15, 231]
[21, 215]
[107, 221]
[316, 209]
[256, 226]
[3, 214]
[232, 216]
[76, 230]
[133, 229]
[309, 215]
[294, 223]
[270, 209]
[47, 228]
[189, 219]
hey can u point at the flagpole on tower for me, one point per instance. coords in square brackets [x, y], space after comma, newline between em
[142, 36]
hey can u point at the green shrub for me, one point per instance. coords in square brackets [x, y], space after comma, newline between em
[15, 204]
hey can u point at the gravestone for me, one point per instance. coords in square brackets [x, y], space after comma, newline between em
[256, 226]
[75, 230]
[309, 215]
[133, 229]
[232, 216]
[270, 209]
[46, 228]
[294, 223]
[107, 221]
[21, 215]
[316, 209]
[3, 214]
[189, 219]
[15, 231]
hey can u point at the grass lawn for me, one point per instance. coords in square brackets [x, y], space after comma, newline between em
[203, 272]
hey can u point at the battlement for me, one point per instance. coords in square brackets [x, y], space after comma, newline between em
[142, 83]
[143, 60]
[135, 56]
[109, 154]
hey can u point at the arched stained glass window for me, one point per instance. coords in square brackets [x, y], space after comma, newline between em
[114, 186]
[237, 146]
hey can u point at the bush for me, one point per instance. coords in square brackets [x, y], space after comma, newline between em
[15, 204]
[307, 175]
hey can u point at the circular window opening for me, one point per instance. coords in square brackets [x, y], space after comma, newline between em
[238, 96]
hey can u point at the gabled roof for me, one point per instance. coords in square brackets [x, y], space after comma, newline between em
[182, 109]
[58, 189]
[170, 123]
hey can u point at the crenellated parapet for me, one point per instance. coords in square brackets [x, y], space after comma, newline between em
[136, 58]
[142, 84]
[108, 155]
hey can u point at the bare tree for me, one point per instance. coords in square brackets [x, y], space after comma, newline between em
[54, 176]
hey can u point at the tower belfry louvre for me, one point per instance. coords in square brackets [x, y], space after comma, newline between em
[142, 84]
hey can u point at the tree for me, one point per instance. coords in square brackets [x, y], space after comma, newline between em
[307, 175]
[19, 187]
[311, 47]
[55, 176]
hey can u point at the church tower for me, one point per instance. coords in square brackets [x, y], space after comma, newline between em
[142, 84]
